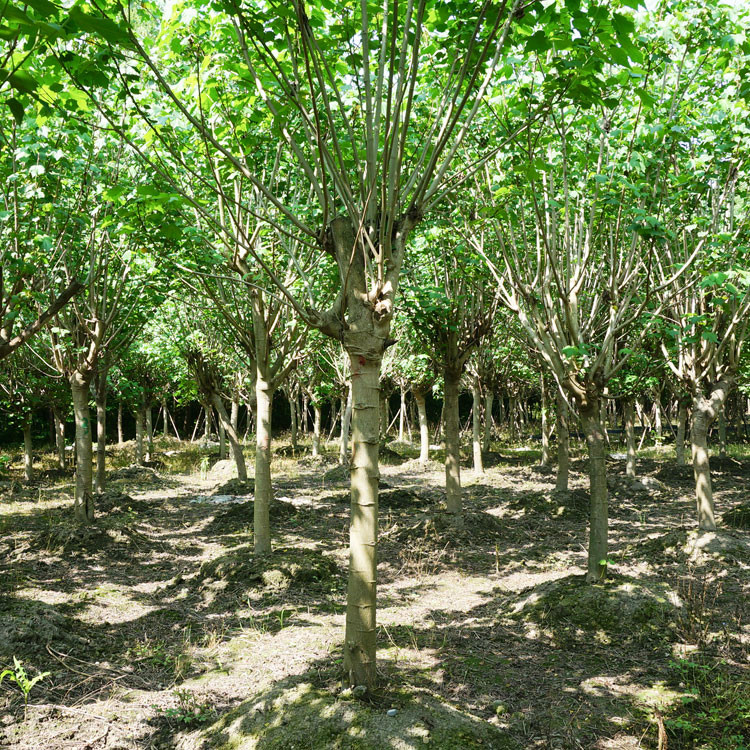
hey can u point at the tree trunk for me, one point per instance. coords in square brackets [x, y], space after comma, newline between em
[563, 444]
[235, 417]
[263, 491]
[222, 441]
[722, 422]
[231, 433]
[207, 426]
[346, 418]
[680, 439]
[83, 507]
[476, 426]
[598, 515]
[140, 426]
[385, 415]
[149, 433]
[165, 415]
[512, 417]
[316, 430]
[402, 416]
[293, 416]
[452, 377]
[545, 460]
[629, 438]
[488, 400]
[424, 433]
[101, 438]
[62, 461]
[120, 437]
[657, 418]
[28, 456]
[701, 469]
[359, 640]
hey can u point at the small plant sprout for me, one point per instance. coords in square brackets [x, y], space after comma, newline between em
[19, 676]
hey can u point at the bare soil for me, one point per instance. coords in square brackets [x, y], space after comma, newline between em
[159, 628]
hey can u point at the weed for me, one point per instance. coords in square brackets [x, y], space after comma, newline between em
[19, 676]
[699, 593]
[189, 710]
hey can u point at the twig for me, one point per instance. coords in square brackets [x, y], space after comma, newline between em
[68, 708]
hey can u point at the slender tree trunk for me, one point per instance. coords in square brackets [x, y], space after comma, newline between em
[62, 461]
[222, 441]
[512, 417]
[28, 456]
[231, 433]
[424, 433]
[83, 507]
[346, 418]
[629, 438]
[101, 434]
[149, 433]
[563, 443]
[140, 426]
[722, 423]
[657, 417]
[488, 401]
[293, 415]
[402, 416]
[360, 636]
[452, 377]
[316, 430]
[120, 437]
[207, 427]
[501, 413]
[235, 417]
[598, 516]
[546, 459]
[263, 490]
[476, 426]
[680, 439]
[701, 469]
[165, 414]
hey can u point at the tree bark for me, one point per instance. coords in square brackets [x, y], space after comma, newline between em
[346, 418]
[140, 427]
[28, 456]
[629, 438]
[563, 444]
[424, 433]
[402, 416]
[165, 415]
[62, 461]
[722, 423]
[680, 439]
[316, 430]
[476, 426]
[452, 377]
[263, 490]
[359, 640]
[120, 437]
[231, 433]
[222, 441]
[488, 401]
[598, 515]
[83, 507]
[101, 439]
[293, 416]
[235, 417]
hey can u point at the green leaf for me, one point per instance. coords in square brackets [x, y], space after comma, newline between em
[710, 336]
[571, 351]
[16, 108]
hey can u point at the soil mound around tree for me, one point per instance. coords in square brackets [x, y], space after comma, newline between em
[223, 470]
[300, 715]
[236, 487]
[28, 627]
[697, 547]
[117, 541]
[239, 516]
[571, 503]
[389, 457]
[738, 518]
[286, 451]
[396, 498]
[113, 501]
[337, 475]
[622, 611]
[238, 574]
[135, 472]
[441, 530]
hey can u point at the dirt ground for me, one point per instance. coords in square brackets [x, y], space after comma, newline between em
[158, 629]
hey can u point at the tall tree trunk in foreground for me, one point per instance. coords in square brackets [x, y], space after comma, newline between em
[28, 457]
[263, 489]
[452, 378]
[359, 653]
[83, 507]
[488, 401]
[705, 410]
[62, 462]
[476, 426]
[563, 443]
[424, 433]
[722, 423]
[231, 433]
[346, 418]
[629, 438]
[680, 439]
[598, 515]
